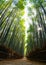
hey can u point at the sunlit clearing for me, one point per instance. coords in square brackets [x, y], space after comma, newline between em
[28, 21]
[0, 16]
[6, 0]
[39, 28]
[34, 11]
[26, 28]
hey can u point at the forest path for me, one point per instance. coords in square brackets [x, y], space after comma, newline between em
[23, 61]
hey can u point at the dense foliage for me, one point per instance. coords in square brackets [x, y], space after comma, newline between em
[12, 29]
[37, 30]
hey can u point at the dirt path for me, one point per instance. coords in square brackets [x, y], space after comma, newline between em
[23, 61]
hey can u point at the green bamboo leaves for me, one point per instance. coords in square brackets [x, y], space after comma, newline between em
[12, 30]
[36, 33]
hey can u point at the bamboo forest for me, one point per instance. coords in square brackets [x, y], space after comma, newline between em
[23, 32]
